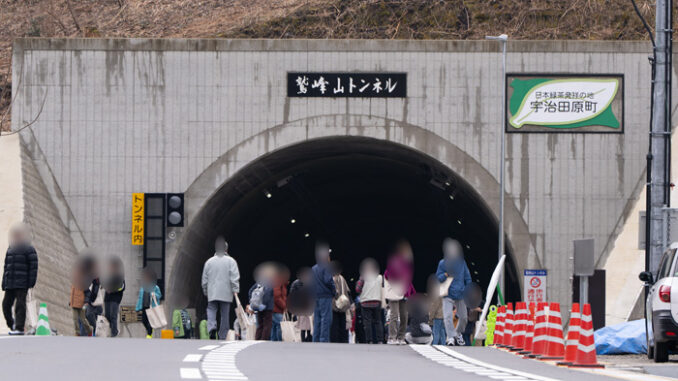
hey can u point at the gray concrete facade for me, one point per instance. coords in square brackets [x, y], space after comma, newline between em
[136, 115]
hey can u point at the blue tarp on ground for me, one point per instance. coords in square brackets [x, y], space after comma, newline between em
[621, 338]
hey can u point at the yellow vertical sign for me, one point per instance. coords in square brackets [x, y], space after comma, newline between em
[137, 219]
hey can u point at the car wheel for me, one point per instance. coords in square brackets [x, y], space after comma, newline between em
[661, 352]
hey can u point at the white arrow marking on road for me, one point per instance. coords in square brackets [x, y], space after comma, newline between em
[190, 373]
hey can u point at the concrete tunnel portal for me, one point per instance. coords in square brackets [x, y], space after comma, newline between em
[359, 194]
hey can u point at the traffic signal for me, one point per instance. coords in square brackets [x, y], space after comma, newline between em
[175, 209]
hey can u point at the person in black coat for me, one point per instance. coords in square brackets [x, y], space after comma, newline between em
[115, 287]
[20, 273]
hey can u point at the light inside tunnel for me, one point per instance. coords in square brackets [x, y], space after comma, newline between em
[359, 194]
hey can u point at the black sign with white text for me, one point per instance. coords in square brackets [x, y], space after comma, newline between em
[347, 85]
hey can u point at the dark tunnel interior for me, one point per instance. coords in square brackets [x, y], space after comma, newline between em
[360, 195]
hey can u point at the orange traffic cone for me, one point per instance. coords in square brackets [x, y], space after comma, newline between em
[540, 331]
[555, 346]
[499, 326]
[572, 336]
[508, 326]
[586, 350]
[529, 337]
[519, 327]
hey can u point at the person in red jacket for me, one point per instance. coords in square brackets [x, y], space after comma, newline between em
[279, 304]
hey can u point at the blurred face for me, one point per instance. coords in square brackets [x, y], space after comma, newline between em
[220, 245]
[18, 235]
[451, 249]
[369, 269]
[322, 253]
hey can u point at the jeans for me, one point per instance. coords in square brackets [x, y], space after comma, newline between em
[439, 336]
[448, 313]
[398, 310]
[91, 313]
[18, 295]
[80, 318]
[224, 309]
[322, 320]
[264, 323]
[374, 328]
[338, 331]
[111, 313]
[276, 331]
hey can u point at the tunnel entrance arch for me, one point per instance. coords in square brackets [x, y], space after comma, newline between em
[361, 194]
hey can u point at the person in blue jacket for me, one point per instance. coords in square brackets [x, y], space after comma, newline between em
[453, 265]
[325, 290]
[148, 285]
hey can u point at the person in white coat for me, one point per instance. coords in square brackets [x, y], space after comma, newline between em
[220, 283]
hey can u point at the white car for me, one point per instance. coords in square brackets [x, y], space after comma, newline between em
[662, 306]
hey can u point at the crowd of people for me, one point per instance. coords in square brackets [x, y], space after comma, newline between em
[377, 308]
[320, 302]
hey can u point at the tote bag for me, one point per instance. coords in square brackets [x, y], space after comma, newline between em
[290, 333]
[393, 291]
[31, 310]
[99, 301]
[103, 327]
[156, 315]
[247, 321]
[445, 286]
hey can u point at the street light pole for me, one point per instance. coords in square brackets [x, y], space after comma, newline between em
[500, 252]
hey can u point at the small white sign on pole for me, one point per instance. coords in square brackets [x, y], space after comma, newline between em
[534, 286]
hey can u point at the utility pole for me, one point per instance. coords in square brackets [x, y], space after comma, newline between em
[503, 39]
[659, 157]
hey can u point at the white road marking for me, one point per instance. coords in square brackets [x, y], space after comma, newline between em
[190, 373]
[208, 347]
[193, 358]
[445, 356]
[219, 363]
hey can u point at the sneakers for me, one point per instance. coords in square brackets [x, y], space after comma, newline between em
[450, 343]
[15, 332]
[392, 342]
[149, 336]
[402, 342]
[459, 340]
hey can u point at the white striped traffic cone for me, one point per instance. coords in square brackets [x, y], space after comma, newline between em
[586, 350]
[499, 326]
[519, 327]
[43, 322]
[540, 331]
[555, 346]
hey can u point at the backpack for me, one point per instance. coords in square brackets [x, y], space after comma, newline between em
[203, 330]
[257, 298]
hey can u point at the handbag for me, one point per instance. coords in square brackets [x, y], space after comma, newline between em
[342, 302]
[445, 286]
[99, 301]
[247, 322]
[103, 327]
[393, 291]
[290, 333]
[31, 310]
[156, 315]
[230, 336]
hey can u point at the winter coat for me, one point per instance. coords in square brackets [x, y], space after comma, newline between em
[300, 298]
[21, 268]
[459, 271]
[220, 278]
[115, 287]
[323, 283]
[140, 301]
[280, 299]
[401, 271]
[92, 293]
[77, 299]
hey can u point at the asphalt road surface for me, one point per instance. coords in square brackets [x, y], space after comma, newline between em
[94, 359]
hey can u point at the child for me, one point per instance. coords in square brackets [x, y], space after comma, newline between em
[371, 292]
[435, 312]
[182, 324]
[418, 330]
